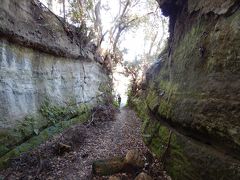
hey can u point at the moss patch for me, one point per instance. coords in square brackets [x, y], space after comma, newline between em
[196, 92]
[153, 100]
[30, 133]
[29, 127]
[156, 137]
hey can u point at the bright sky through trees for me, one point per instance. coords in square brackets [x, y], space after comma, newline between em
[139, 43]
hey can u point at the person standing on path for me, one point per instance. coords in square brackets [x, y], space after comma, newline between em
[119, 100]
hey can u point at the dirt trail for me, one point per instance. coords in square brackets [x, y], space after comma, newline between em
[111, 139]
[102, 140]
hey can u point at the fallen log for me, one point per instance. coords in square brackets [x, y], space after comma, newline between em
[108, 166]
[130, 163]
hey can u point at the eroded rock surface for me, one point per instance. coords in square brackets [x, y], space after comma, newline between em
[47, 72]
[195, 91]
[28, 77]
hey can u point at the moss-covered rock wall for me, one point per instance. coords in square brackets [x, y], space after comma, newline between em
[49, 76]
[194, 91]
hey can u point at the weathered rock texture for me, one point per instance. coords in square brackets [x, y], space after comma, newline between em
[195, 90]
[28, 77]
[42, 60]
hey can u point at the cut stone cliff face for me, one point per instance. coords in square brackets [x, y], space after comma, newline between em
[44, 67]
[195, 90]
[28, 77]
[30, 24]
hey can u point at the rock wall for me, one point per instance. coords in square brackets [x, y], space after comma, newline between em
[194, 91]
[28, 77]
[47, 71]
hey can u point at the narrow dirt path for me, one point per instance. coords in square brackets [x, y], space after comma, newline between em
[107, 140]
[102, 140]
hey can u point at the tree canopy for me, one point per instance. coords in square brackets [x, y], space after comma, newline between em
[110, 24]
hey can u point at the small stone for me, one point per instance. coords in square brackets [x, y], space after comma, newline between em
[114, 178]
[143, 176]
[134, 158]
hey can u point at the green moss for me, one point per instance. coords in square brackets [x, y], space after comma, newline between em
[167, 86]
[157, 147]
[163, 133]
[3, 149]
[178, 165]
[156, 137]
[190, 91]
[189, 44]
[115, 103]
[30, 126]
[3, 135]
[55, 117]
[53, 112]
[45, 135]
[145, 124]
[165, 109]
[161, 97]
[139, 106]
[152, 100]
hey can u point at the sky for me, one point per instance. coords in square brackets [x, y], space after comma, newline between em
[133, 40]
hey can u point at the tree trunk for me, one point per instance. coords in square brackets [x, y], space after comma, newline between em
[112, 166]
[64, 11]
[49, 4]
